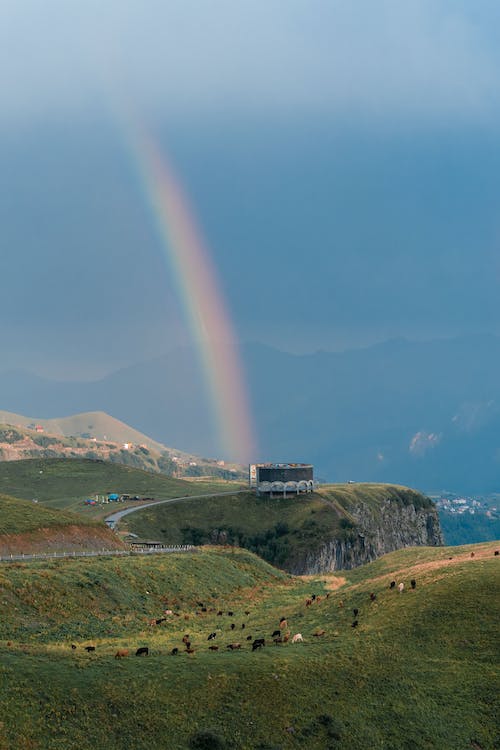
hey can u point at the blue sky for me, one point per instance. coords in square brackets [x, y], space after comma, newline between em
[342, 160]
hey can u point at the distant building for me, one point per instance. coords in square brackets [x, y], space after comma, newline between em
[281, 479]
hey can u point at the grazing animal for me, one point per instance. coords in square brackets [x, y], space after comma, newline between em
[189, 650]
[142, 651]
[168, 612]
[200, 604]
[174, 651]
[243, 626]
[319, 632]
[188, 645]
[219, 614]
[152, 623]
[496, 553]
[341, 604]
[247, 612]
[211, 636]
[234, 646]
[275, 633]
[258, 643]
[230, 614]
[355, 612]
[297, 638]
[249, 637]
[392, 585]
[373, 596]
[355, 624]
[73, 646]
[413, 583]
[309, 602]
[233, 626]
[121, 653]
[213, 648]
[203, 609]
[472, 554]
[401, 588]
[283, 624]
[185, 638]
[160, 620]
[89, 648]
[277, 640]
[313, 597]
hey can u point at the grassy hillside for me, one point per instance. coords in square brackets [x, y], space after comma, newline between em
[26, 527]
[65, 483]
[419, 671]
[280, 530]
[118, 444]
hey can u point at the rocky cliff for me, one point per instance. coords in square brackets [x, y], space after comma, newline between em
[406, 519]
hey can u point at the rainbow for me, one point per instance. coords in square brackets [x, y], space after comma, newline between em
[202, 300]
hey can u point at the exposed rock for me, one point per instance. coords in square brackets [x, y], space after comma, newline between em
[394, 526]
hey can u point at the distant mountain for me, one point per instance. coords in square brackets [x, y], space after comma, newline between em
[422, 414]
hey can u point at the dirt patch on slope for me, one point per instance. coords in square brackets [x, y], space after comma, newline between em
[330, 581]
[60, 539]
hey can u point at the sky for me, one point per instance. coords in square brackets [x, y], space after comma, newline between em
[340, 160]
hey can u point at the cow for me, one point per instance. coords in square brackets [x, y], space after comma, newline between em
[401, 588]
[188, 645]
[373, 596]
[319, 632]
[73, 646]
[249, 637]
[243, 626]
[258, 643]
[121, 653]
[313, 596]
[230, 614]
[89, 648]
[213, 648]
[355, 612]
[309, 602]
[212, 636]
[189, 650]
[297, 638]
[247, 612]
[355, 624]
[496, 553]
[472, 554]
[185, 638]
[168, 612]
[219, 614]
[275, 633]
[174, 652]
[392, 585]
[413, 583]
[233, 646]
[233, 626]
[142, 651]
[160, 620]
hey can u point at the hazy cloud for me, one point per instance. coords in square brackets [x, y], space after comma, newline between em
[385, 58]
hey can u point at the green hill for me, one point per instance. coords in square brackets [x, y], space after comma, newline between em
[289, 532]
[419, 671]
[27, 527]
[66, 483]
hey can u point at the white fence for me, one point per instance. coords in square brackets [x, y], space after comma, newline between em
[98, 553]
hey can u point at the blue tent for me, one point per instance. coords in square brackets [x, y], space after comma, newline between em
[113, 497]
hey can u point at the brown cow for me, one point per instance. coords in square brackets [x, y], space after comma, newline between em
[121, 653]
[234, 646]
[319, 632]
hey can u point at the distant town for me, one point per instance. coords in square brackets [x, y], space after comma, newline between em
[462, 504]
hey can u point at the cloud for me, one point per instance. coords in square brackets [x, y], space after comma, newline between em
[418, 58]
[423, 441]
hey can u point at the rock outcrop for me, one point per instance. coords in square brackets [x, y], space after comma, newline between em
[396, 523]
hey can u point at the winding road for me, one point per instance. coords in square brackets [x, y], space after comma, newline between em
[114, 518]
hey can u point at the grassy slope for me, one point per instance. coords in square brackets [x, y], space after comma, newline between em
[65, 483]
[19, 516]
[279, 529]
[418, 672]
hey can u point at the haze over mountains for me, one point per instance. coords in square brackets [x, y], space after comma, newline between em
[424, 414]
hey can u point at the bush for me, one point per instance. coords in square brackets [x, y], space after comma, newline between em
[206, 740]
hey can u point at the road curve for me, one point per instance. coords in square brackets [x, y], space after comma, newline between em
[114, 518]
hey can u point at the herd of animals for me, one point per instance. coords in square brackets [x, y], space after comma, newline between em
[280, 635]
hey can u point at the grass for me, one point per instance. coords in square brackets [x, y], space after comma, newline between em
[419, 672]
[284, 531]
[66, 483]
[21, 516]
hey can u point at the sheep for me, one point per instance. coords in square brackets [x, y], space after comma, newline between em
[297, 638]
[401, 588]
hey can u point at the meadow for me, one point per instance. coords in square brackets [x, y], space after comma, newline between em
[419, 671]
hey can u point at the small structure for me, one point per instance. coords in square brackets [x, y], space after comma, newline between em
[281, 479]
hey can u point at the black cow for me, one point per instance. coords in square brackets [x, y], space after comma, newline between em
[413, 583]
[174, 651]
[392, 584]
[258, 643]
[233, 626]
[73, 646]
[373, 596]
[249, 637]
[89, 648]
[355, 612]
[142, 651]
[275, 633]
[355, 624]
[211, 636]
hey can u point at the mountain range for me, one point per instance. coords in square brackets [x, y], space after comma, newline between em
[425, 414]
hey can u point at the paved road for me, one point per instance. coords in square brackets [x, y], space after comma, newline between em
[114, 518]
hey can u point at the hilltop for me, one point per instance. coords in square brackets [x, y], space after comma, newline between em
[97, 435]
[418, 670]
[27, 527]
[338, 526]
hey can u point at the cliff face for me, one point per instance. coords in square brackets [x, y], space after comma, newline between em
[393, 526]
